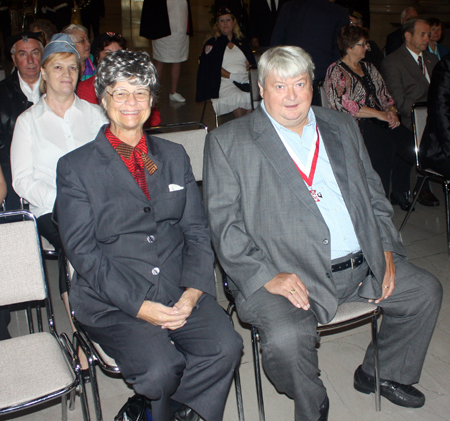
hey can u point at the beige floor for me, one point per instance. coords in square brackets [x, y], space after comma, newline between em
[339, 354]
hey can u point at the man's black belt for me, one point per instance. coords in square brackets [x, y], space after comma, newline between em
[353, 263]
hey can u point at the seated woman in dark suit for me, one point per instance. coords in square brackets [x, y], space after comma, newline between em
[223, 68]
[435, 145]
[356, 87]
[133, 227]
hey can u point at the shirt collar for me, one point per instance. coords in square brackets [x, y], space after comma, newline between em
[26, 88]
[42, 106]
[311, 119]
[415, 56]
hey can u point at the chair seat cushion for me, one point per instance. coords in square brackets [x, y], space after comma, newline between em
[32, 366]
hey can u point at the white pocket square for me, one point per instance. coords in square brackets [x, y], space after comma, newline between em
[175, 187]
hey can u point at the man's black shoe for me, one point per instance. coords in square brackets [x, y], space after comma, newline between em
[426, 198]
[324, 408]
[401, 199]
[400, 394]
[184, 413]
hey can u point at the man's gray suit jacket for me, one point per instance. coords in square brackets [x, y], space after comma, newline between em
[125, 248]
[405, 81]
[264, 220]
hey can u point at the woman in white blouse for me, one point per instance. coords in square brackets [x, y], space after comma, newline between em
[59, 123]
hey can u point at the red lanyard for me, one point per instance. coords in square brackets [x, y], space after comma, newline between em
[309, 179]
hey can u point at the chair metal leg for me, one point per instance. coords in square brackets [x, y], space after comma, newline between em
[259, 391]
[30, 319]
[39, 318]
[237, 378]
[239, 401]
[376, 363]
[447, 210]
[83, 400]
[72, 400]
[95, 391]
[413, 205]
[64, 407]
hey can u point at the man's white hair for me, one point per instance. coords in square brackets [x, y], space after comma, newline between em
[285, 61]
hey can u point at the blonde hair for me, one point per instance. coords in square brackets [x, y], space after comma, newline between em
[50, 59]
[236, 30]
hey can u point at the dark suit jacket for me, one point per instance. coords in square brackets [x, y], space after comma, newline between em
[13, 103]
[405, 81]
[314, 26]
[394, 40]
[262, 20]
[264, 220]
[435, 146]
[125, 248]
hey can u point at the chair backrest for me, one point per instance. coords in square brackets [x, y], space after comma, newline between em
[323, 96]
[22, 277]
[419, 113]
[255, 93]
[192, 140]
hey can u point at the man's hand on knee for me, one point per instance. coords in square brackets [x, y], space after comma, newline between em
[290, 286]
[389, 278]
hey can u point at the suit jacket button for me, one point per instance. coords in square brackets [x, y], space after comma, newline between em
[151, 239]
[147, 209]
[155, 271]
[325, 242]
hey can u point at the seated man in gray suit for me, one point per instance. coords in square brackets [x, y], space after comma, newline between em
[300, 223]
[407, 73]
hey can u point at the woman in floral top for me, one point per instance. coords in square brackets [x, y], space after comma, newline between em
[355, 87]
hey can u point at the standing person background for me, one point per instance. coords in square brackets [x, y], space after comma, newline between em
[313, 25]
[168, 23]
[91, 13]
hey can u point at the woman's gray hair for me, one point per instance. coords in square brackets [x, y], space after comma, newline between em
[286, 62]
[133, 67]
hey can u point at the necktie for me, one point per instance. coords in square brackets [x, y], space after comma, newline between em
[421, 63]
[273, 7]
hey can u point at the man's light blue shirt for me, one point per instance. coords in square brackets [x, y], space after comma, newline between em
[331, 205]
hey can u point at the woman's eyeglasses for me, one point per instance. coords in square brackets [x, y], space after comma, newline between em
[121, 96]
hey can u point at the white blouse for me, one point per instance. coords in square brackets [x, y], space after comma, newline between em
[40, 138]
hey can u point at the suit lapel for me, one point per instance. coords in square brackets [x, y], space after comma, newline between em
[413, 66]
[267, 139]
[152, 183]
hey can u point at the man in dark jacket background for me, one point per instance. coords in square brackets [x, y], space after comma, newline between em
[18, 92]
[314, 26]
